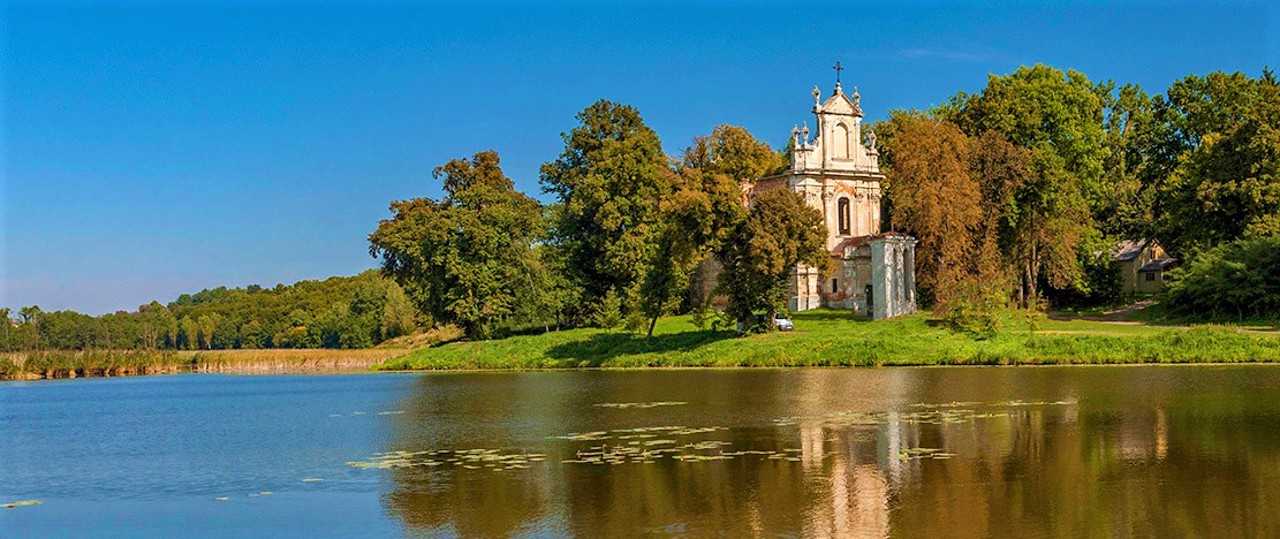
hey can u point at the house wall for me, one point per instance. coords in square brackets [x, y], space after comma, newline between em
[1128, 276]
[1131, 281]
[1153, 286]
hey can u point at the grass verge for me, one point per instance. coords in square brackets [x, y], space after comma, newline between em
[835, 338]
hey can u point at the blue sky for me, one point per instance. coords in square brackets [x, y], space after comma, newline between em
[150, 151]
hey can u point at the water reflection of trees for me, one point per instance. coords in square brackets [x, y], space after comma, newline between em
[1146, 463]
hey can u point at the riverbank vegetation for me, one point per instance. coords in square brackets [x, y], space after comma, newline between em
[49, 364]
[837, 338]
[35, 364]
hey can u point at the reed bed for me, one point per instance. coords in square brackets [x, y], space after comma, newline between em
[288, 360]
[45, 364]
[36, 364]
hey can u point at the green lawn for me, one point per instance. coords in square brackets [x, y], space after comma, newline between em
[835, 338]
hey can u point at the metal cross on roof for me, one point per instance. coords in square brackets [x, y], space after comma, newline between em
[838, 69]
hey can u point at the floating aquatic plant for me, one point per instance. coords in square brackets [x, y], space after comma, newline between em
[641, 405]
[469, 459]
[21, 503]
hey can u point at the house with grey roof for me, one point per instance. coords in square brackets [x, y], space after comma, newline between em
[1143, 264]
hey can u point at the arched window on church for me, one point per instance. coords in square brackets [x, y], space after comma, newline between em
[842, 215]
[841, 141]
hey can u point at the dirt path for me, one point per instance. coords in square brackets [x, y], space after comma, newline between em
[1120, 317]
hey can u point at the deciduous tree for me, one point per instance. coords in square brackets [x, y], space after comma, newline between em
[462, 259]
[780, 231]
[610, 179]
[1226, 184]
[936, 198]
[705, 209]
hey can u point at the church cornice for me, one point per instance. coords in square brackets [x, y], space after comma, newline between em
[827, 174]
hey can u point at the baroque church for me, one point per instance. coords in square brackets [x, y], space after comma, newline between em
[872, 270]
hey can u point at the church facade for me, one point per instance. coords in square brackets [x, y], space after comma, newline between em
[872, 271]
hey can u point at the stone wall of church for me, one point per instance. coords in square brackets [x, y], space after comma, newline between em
[804, 289]
[845, 287]
[851, 208]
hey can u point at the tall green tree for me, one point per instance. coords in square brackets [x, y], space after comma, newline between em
[462, 259]
[1047, 111]
[397, 316]
[1059, 119]
[1225, 130]
[6, 329]
[1136, 140]
[705, 209]
[610, 181]
[780, 231]
[207, 325]
[190, 333]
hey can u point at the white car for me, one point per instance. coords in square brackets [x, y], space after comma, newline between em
[783, 323]
[779, 320]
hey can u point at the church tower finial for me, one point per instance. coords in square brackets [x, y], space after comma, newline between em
[838, 69]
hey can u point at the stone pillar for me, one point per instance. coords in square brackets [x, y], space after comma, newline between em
[892, 276]
[909, 271]
[880, 291]
[899, 282]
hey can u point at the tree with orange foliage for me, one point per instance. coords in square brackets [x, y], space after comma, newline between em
[936, 198]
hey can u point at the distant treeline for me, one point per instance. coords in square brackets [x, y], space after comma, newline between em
[339, 312]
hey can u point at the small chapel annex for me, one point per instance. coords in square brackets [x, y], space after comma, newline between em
[873, 271]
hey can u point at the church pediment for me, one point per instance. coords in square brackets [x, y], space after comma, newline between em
[837, 145]
[841, 104]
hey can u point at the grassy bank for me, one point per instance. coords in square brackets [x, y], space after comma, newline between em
[834, 338]
[39, 364]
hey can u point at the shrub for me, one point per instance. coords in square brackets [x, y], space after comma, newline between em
[609, 314]
[1239, 278]
[976, 312]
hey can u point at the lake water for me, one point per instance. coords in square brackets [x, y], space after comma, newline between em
[910, 452]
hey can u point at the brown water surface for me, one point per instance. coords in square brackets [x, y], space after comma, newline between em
[925, 452]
